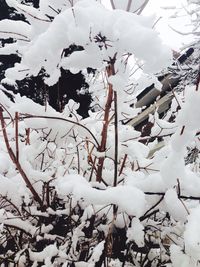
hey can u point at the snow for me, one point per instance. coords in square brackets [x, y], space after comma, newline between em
[188, 123]
[30, 12]
[61, 154]
[192, 234]
[190, 115]
[172, 169]
[129, 199]
[90, 57]
[136, 233]
[149, 183]
[46, 254]
[135, 149]
[96, 253]
[174, 206]
[14, 29]
[179, 258]
[5, 164]
[9, 220]
[10, 185]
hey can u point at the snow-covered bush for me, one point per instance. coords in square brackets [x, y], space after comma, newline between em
[85, 192]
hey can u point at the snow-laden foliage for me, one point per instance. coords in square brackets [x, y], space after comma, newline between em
[88, 24]
[88, 192]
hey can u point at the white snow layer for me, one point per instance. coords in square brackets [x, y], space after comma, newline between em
[192, 234]
[174, 206]
[129, 199]
[136, 232]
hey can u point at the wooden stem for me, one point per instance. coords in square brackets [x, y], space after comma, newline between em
[102, 147]
[116, 140]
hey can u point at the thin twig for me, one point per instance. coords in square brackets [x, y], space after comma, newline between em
[112, 4]
[77, 151]
[93, 168]
[29, 116]
[18, 34]
[16, 135]
[56, 11]
[198, 80]
[123, 164]
[163, 193]
[182, 130]
[129, 5]
[148, 212]
[116, 140]
[142, 7]
[5, 109]
[45, 20]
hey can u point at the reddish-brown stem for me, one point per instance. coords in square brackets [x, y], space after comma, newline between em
[27, 142]
[93, 167]
[102, 147]
[16, 162]
[16, 135]
[33, 16]
[123, 164]
[17, 34]
[116, 140]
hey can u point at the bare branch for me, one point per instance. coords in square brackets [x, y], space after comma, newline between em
[28, 116]
[16, 135]
[129, 5]
[112, 4]
[45, 20]
[17, 34]
[116, 140]
[142, 7]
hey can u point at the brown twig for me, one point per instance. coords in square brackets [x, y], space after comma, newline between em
[93, 167]
[29, 116]
[16, 135]
[7, 111]
[123, 164]
[27, 142]
[148, 212]
[17, 34]
[116, 140]
[11, 203]
[21, 9]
